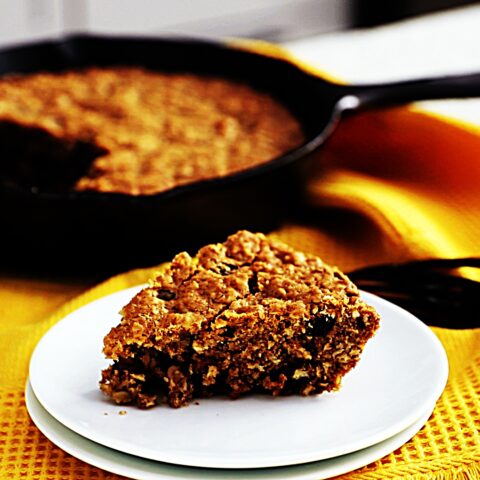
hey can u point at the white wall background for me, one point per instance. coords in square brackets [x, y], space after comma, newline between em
[20, 19]
[276, 20]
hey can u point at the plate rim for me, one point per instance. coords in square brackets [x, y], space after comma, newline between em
[319, 470]
[239, 463]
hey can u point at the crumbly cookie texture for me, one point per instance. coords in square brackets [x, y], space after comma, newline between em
[151, 131]
[248, 315]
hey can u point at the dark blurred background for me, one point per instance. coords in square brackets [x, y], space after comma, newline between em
[368, 13]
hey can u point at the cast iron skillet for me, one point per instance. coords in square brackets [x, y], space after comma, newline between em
[90, 230]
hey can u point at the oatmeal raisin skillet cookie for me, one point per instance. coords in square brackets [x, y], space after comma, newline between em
[248, 315]
[133, 131]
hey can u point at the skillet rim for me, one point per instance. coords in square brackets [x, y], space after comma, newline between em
[311, 143]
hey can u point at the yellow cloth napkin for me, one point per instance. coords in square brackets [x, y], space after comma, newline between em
[390, 185]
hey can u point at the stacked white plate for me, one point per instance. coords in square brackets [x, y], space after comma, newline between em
[383, 402]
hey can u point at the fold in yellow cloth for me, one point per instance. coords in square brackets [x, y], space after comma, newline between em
[390, 185]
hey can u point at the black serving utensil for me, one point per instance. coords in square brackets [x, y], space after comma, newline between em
[84, 230]
[431, 289]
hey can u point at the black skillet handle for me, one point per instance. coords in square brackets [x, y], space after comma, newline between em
[354, 97]
[432, 289]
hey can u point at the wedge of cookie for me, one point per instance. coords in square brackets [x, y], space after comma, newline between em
[248, 315]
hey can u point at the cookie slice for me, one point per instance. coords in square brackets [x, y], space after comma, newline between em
[248, 315]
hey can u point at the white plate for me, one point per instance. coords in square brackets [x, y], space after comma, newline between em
[402, 373]
[139, 468]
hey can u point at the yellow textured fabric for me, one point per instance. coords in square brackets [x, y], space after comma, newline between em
[389, 186]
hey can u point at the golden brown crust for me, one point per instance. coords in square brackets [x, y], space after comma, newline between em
[248, 315]
[156, 131]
